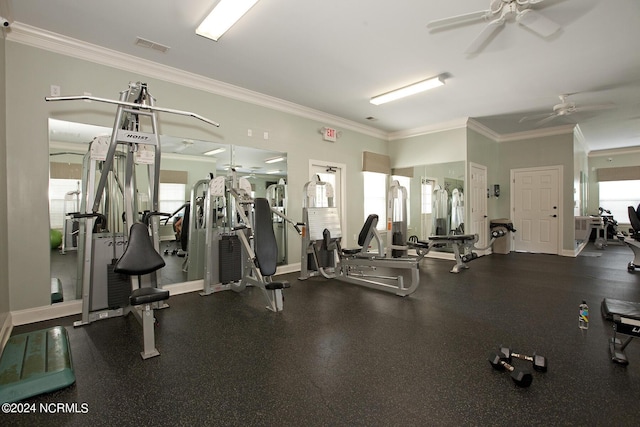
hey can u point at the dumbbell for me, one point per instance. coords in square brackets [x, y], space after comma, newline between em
[469, 257]
[539, 362]
[519, 377]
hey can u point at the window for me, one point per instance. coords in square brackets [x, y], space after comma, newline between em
[64, 198]
[426, 193]
[375, 197]
[170, 196]
[617, 196]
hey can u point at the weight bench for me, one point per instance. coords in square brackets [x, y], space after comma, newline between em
[626, 321]
[460, 244]
[139, 258]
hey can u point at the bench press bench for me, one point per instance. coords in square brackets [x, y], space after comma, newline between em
[625, 316]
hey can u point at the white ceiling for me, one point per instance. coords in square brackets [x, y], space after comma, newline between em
[333, 55]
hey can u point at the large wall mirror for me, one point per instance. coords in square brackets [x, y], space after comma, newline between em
[185, 163]
[436, 200]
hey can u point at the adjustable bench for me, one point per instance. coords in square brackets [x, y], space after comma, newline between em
[139, 258]
[626, 321]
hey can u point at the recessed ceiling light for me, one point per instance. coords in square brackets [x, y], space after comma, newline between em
[216, 151]
[275, 159]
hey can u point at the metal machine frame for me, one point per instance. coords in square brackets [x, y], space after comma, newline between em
[323, 256]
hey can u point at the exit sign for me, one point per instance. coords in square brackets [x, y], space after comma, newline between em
[330, 134]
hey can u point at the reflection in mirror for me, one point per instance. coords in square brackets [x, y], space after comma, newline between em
[184, 163]
[438, 191]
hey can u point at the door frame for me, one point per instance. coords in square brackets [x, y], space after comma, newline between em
[560, 170]
[484, 237]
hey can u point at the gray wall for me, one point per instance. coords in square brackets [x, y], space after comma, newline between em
[4, 241]
[30, 72]
[535, 152]
[484, 151]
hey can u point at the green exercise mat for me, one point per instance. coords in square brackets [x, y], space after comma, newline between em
[34, 363]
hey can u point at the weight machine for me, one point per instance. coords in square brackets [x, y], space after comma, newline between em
[390, 270]
[241, 248]
[108, 293]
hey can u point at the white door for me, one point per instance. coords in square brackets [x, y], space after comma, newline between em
[478, 203]
[536, 209]
[332, 173]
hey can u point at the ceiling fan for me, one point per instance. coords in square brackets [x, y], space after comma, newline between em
[186, 143]
[564, 108]
[499, 12]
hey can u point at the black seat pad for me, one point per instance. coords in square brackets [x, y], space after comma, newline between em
[139, 257]
[147, 295]
[454, 237]
[352, 251]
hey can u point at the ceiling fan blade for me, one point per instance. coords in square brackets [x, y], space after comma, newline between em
[537, 22]
[594, 107]
[547, 120]
[535, 117]
[459, 19]
[484, 35]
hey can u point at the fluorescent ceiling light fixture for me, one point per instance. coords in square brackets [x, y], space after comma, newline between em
[275, 160]
[407, 90]
[222, 17]
[216, 151]
[273, 172]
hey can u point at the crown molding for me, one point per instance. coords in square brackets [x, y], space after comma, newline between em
[57, 43]
[519, 136]
[615, 151]
[425, 130]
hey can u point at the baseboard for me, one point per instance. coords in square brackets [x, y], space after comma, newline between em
[5, 331]
[71, 308]
[49, 312]
[184, 287]
[289, 268]
[577, 250]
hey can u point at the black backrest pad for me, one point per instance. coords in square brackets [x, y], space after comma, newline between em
[139, 257]
[184, 234]
[372, 221]
[266, 247]
[634, 217]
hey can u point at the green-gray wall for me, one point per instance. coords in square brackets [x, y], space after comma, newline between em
[536, 152]
[30, 72]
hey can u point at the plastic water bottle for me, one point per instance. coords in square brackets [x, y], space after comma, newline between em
[583, 316]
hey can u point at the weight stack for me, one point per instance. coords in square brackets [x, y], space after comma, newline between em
[398, 240]
[230, 259]
[118, 288]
